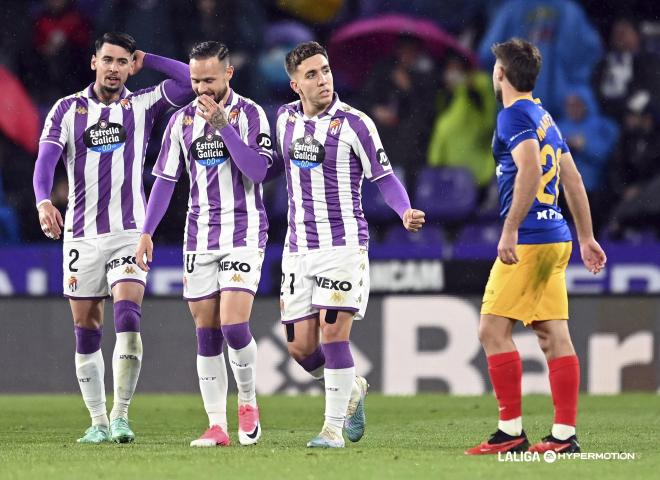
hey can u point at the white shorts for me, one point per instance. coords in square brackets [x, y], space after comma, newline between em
[92, 267]
[205, 275]
[334, 279]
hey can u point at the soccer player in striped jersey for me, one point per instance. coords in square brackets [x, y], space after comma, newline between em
[328, 148]
[528, 280]
[223, 141]
[101, 133]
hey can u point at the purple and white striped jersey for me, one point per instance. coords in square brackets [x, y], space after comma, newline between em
[225, 207]
[325, 159]
[104, 148]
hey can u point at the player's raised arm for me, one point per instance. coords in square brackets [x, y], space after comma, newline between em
[527, 157]
[251, 159]
[177, 89]
[592, 254]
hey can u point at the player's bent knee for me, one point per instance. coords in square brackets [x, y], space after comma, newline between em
[300, 350]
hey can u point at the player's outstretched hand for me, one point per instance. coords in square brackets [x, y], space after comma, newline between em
[139, 61]
[211, 111]
[51, 221]
[413, 219]
[145, 248]
[593, 256]
[506, 249]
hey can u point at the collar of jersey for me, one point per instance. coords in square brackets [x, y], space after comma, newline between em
[330, 111]
[91, 94]
[526, 97]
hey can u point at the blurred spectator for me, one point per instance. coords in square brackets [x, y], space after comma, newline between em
[59, 41]
[16, 26]
[395, 97]
[239, 25]
[626, 71]
[636, 173]
[312, 11]
[150, 22]
[9, 226]
[591, 139]
[463, 129]
[568, 43]
[452, 15]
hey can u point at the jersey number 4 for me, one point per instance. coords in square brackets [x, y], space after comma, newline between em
[549, 154]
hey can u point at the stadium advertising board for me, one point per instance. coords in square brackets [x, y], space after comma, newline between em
[405, 345]
[37, 271]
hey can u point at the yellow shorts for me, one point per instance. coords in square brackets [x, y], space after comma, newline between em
[532, 289]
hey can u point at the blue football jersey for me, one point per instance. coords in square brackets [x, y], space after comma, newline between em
[526, 119]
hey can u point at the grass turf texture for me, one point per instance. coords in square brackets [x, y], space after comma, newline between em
[407, 437]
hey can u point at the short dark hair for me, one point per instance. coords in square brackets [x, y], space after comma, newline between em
[301, 53]
[204, 50]
[123, 40]
[521, 61]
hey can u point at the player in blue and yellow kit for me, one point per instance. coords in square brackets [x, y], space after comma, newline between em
[527, 282]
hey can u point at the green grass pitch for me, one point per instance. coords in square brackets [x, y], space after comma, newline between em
[407, 437]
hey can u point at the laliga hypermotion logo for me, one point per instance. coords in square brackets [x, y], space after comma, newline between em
[73, 283]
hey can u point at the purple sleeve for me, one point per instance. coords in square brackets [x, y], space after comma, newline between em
[251, 163]
[276, 168]
[394, 193]
[177, 90]
[159, 200]
[44, 170]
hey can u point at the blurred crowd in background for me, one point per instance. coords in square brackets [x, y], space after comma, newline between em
[420, 68]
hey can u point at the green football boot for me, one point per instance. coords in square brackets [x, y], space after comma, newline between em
[120, 432]
[95, 434]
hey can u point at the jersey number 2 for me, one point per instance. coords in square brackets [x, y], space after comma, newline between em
[548, 177]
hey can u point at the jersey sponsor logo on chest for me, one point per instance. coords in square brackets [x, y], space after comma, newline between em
[209, 150]
[306, 152]
[104, 136]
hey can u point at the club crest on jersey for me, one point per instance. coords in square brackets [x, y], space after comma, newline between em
[209, 150]
[306, 152]
[233, 116]
[125, 103]
[104, 137]
[335, 126]
[72, 284]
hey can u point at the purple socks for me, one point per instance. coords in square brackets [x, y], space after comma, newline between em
[209, 342]
[88, 340]
[127, 316]
[314, 361]
[337, 355]
[238, 335]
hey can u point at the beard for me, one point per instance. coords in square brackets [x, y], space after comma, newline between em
[111, 90]
[498, 94]
[217, 96]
